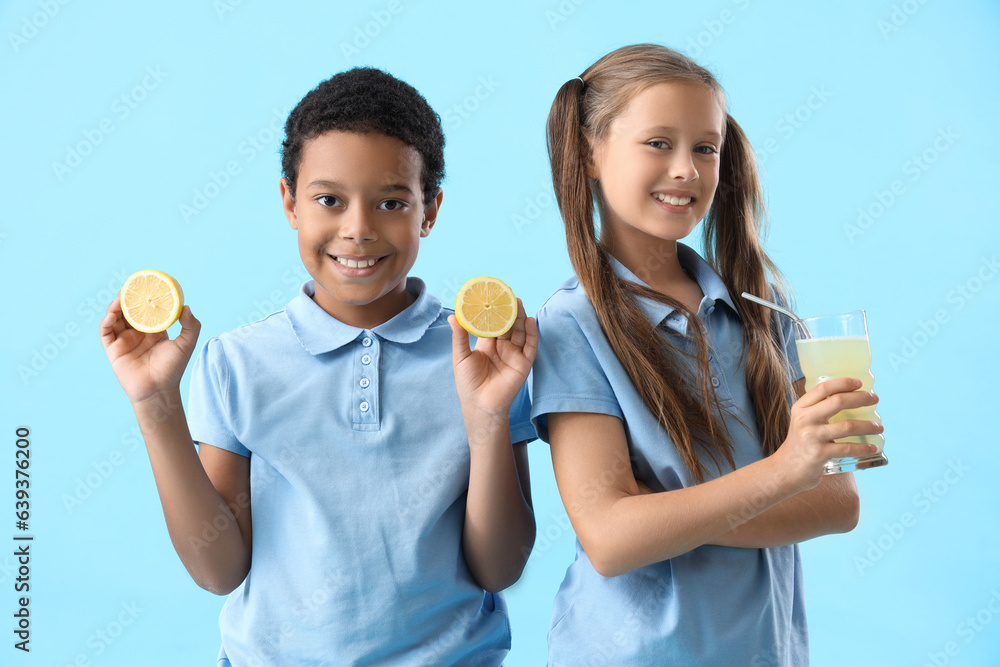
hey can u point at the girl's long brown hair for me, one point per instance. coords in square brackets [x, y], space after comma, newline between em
[685, 406]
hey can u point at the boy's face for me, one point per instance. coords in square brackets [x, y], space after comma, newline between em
[360, 215]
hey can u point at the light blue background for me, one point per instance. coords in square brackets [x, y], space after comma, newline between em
[895, 591]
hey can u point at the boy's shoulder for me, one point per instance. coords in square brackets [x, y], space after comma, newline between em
[275, 323]
[258, 336]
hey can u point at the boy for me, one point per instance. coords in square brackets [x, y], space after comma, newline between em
[330, 448]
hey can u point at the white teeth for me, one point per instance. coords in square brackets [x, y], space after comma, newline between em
[674, 201]
[356, 264]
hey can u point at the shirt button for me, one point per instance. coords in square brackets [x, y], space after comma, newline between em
[366, 341]
[711, 309]
[715, 381]
[364, 382]
[367, 359]
[364, 406]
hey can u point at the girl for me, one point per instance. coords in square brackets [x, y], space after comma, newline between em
[665, 397]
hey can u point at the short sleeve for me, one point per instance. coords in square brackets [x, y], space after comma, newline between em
[787, 332]
[521, 428]
[567, 375]
[209, 412]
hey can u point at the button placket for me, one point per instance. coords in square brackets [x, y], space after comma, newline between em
[718, 379]
[364, 403]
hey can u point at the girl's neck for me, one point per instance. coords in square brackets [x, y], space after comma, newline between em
[654, 262]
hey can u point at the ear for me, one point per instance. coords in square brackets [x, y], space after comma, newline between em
[288, 203]
[431, 213]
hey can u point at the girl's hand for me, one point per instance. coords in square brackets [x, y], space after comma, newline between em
[810, 441]
[489, 377]
[147, 364]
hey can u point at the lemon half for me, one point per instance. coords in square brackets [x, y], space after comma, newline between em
[151, 301]
[486, 307]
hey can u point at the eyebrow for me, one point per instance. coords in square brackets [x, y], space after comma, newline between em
[664, 128]
[334, 185]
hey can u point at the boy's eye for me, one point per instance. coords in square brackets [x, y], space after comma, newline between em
[391, 205]
[329, 201]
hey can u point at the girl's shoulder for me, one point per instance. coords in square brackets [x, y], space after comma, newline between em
[568, 297]
[568, 314]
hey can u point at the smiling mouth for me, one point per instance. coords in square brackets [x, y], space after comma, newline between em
[673, 201]
[357, 263]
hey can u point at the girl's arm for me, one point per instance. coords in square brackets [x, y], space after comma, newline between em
[499, 522]
[206, 500]
[832, 507]
[622, 528]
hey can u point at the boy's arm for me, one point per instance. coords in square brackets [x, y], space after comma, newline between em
[499, 526]
[205, 496]
[209, 528]
[499, 521]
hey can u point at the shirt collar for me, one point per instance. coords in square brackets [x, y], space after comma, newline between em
[320, 332]
[708, 280]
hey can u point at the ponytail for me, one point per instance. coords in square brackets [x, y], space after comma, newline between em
[733, 229]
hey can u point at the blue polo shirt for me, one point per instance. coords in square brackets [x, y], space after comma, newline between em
[712, 605]
[359, 469]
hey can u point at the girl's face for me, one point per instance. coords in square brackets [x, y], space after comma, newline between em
[359, 212]
[658, 166]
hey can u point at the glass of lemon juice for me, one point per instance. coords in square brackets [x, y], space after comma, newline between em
[833, 346]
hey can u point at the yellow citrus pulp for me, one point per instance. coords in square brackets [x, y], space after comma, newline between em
[486, 307]
[151, 301]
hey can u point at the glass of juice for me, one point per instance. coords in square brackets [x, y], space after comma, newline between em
[835, 346]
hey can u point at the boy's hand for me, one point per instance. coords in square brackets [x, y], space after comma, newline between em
[489, 377]
[147, 363]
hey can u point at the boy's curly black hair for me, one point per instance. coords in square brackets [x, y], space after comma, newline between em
[365, 99]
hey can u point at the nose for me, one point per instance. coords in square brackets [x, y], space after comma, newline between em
[682, 167]
[357, 226]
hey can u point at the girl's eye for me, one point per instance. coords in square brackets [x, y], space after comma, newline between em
[328, 201]
[706, 150]
[391, 205]
[657, 144]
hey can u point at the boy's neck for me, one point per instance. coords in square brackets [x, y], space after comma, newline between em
[367, 315]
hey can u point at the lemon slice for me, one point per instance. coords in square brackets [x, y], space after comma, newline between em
[151, 301]
[486, 307]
